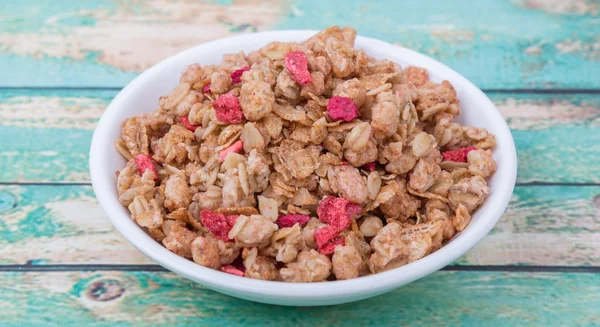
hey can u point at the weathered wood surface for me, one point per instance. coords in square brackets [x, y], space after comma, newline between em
[557, 136]
[163, 299]
[496, 44]
[49, 224]
[97, 46]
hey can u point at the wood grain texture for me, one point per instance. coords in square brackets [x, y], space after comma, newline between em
[496, 44]
[557, 136]
[161, 299]
[65, 225]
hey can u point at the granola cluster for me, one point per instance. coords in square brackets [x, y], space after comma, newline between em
[304, 162]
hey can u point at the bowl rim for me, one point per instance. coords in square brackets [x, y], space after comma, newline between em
[371, 284]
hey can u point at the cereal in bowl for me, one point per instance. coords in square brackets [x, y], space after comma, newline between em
[304, 162]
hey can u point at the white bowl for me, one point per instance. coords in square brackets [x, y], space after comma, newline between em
[141, 96]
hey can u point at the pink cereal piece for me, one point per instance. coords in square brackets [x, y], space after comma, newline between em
[217, 223]
[291, 219]
[337, 211]
[236, 76]
[232, 270]
[459, 155]
[186, 123]
[227, 109]
[325, 234]
[330, 246]
[342, 108]
[206, 88]
[297, 63]
[369, 166]
[143, 162]
[235, 147]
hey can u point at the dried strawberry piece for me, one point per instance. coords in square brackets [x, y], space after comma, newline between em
[206, 88]
[291, 219]
[297, 63]
[186, 123]
[217, 223]
[459, 155]
[227, 107]
[143, 162]
[330, 246]
[342, 108]
[325, 234]
[337, 211]
[236, 76]
[369, 166]
[235, 147]
[232, 270]
[231, 219]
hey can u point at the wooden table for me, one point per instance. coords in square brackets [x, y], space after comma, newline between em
[61, 62]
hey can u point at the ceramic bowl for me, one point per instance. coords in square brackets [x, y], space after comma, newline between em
[141, 96]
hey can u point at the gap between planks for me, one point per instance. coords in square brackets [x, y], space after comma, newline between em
[117, 267]
[508, 90]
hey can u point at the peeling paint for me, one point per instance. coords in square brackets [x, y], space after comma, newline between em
[527, 115]
[160, 28]
[451, 35]
[588, 50]
[52, 112]
[580, 7]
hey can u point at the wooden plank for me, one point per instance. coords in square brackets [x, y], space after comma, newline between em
[556, 225]
[51, 224]
[496, 44]
[557, 136]
[161, 298]
[50, 133]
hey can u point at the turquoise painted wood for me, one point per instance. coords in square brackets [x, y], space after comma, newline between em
[496, 44]
[164, 299]
[557, 136]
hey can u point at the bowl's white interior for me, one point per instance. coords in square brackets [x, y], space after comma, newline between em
[141, 96]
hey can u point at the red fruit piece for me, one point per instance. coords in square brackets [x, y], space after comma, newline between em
[325, 234]
[291, 219]
[459, 155]
[231, 219]
[329, 248]
[206, 88]
[143, 162]
[217, 223]
[235, 147]
[342, 108]
[186, 123]
[236, 76]
[227, 108]
[232, 270]
[297, 63]
[369, 166]
[337, 211]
